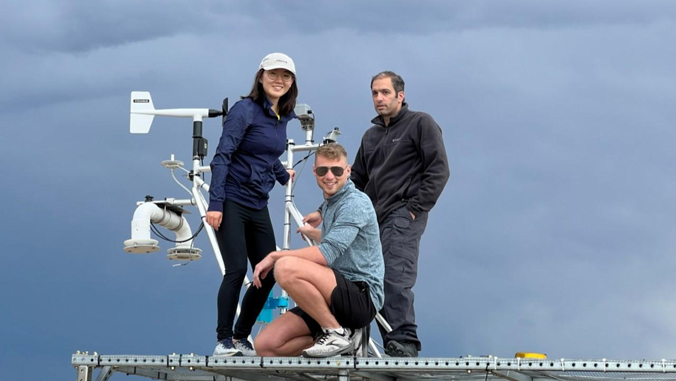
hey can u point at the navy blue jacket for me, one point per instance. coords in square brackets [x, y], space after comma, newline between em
[246, 162]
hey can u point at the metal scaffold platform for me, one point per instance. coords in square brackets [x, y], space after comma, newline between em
[208, 368]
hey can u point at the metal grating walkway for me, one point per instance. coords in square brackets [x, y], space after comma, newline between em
[208, 368]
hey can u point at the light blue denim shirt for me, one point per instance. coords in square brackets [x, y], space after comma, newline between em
[351, 239]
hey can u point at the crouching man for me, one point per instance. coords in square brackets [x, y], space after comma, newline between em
[337, 285]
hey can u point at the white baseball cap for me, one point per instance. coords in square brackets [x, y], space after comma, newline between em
[278, 61]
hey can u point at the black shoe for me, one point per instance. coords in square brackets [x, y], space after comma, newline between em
[403, 349]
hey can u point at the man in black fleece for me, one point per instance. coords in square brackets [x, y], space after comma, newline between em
[402, 166]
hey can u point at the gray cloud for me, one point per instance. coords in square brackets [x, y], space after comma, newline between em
[554, 233]
[403, 17]
[74, 26]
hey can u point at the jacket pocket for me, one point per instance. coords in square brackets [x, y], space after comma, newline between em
[260, 182]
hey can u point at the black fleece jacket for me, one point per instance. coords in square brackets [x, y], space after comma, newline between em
[402, 164]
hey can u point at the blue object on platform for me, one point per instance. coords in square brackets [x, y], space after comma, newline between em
[283, 302]
[265, 317]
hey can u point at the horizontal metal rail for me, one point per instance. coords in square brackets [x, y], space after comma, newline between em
[195, 367]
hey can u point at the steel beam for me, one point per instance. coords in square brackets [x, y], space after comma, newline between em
[512, 376]
[84, 373]
[105, 373]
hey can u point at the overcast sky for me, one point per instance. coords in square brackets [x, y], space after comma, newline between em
[555, 234]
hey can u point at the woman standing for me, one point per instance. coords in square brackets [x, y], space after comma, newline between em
[244, 170]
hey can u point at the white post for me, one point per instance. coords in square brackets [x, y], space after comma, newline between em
[198, 183]
[288, 198]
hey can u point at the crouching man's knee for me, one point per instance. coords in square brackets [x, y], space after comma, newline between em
[286, 336]
[264, 345]
[287, 270]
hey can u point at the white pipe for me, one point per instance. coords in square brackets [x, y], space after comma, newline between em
[286, 242]
[308, 136]
[202, 207]
[203, 169]
[201, 184]
[148, 211]
[196, 113]
[183, 234]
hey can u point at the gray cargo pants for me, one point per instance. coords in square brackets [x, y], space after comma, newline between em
[400, 237]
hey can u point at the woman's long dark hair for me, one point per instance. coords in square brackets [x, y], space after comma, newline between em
[286, 103]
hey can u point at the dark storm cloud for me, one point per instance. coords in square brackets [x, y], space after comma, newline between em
[74, 26]
[558, 122]
[408, 17]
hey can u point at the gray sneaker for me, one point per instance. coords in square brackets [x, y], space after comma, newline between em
[244, 346]
[331, 343]
[226, 347]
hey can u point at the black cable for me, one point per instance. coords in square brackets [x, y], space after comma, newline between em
[303, 159]
[205, 174]
[154, 229]
[301, 170]
[157, 233]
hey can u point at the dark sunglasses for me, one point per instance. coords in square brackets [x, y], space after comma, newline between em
[337, 171]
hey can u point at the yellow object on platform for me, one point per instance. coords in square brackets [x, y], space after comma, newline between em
[530, 355]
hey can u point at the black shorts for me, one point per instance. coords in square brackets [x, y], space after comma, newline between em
[351, 304]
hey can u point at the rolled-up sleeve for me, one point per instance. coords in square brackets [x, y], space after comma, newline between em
[349, 220]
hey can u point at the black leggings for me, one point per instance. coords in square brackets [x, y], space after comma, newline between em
[244, 233]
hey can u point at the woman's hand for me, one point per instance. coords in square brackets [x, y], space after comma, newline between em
[214, 219]
[292, 175]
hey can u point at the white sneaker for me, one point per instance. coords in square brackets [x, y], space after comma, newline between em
[331, 343]
[226, 347]
[244, 346]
